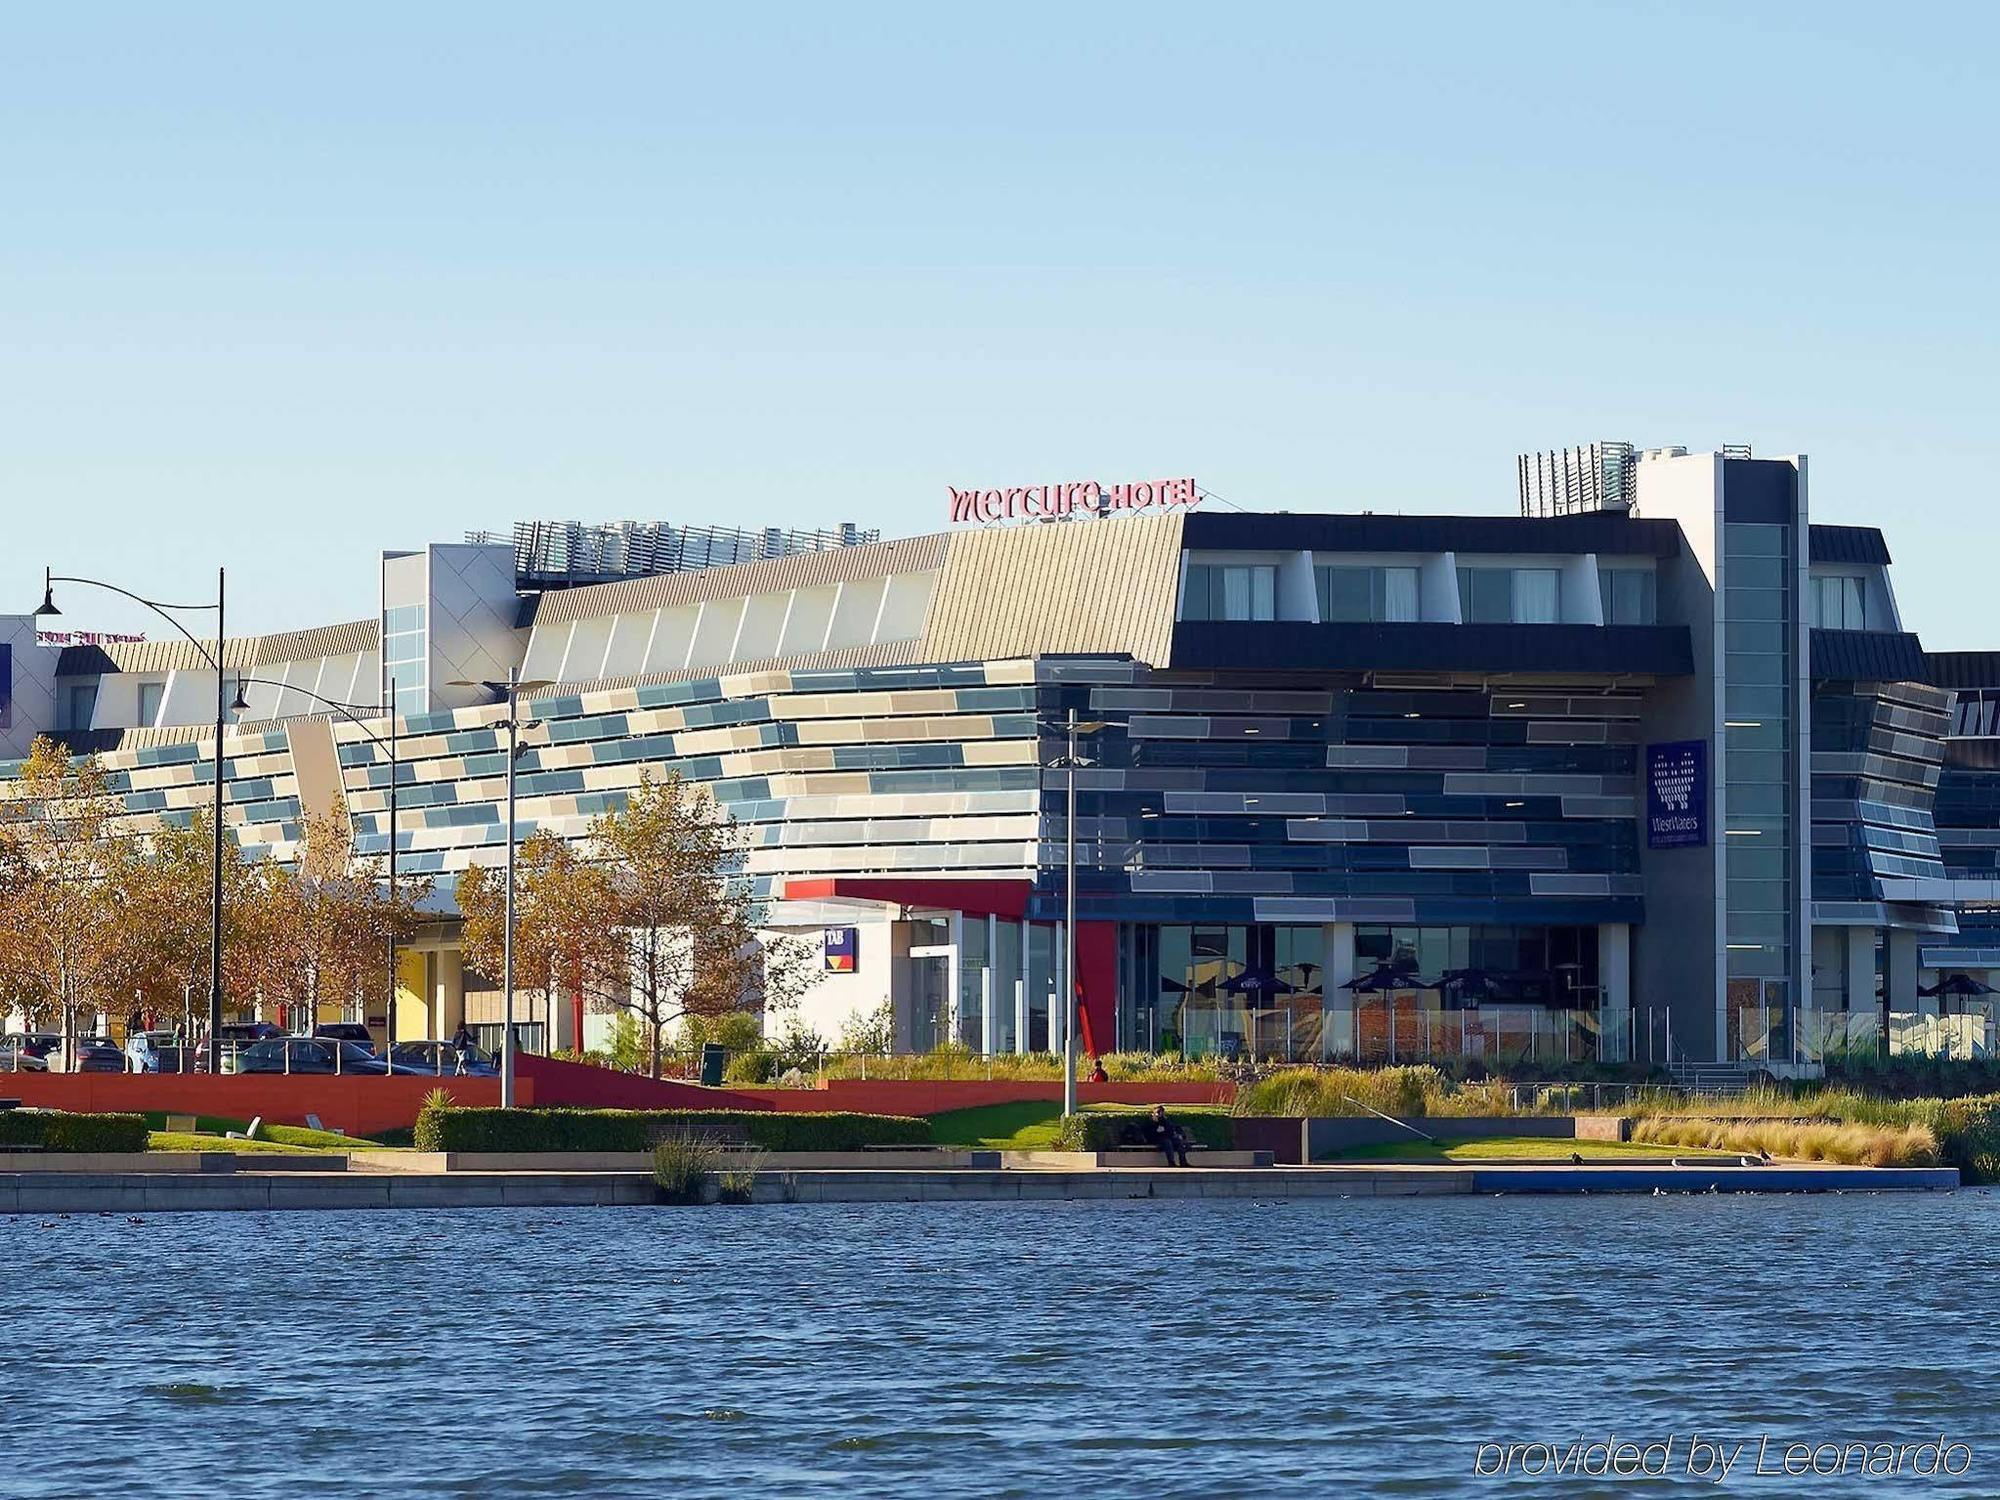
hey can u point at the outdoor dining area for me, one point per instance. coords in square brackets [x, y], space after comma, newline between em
[1271, 999]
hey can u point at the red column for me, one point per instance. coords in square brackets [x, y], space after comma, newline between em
[575, 1019]
[1097, 972]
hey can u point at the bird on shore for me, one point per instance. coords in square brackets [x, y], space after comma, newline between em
[1576, 1159]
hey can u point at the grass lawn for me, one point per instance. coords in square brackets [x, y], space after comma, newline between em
[1525, 1148]
[170, 1140]
[1026, 1125]
[210, 1131]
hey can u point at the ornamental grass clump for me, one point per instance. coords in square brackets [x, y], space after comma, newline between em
[1339, 1092]
[682, 1166]
[1847, 1143]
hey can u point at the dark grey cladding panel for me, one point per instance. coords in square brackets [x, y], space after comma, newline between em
[1591, 531]
[1868, 656]
[1659, 650]
[1849, 544]
[1957, 669]
[1759, 491]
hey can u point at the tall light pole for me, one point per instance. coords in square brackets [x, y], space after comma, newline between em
[1071, 763]
[352, 713]
[513, 687]
[223, 708]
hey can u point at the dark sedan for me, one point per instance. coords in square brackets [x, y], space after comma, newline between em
[90, 1054]
[304, 1054]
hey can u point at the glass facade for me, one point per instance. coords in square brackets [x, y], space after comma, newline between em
[1760, 781]
[405, 657]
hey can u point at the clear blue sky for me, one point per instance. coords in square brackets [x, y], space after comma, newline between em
[280, 285]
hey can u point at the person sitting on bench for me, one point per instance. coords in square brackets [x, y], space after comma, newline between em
[1168, 1136]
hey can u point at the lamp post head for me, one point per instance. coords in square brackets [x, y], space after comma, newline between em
[48, 605]
[240, 704]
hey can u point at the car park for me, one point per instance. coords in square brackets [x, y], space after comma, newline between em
[87, 1054]
[346, 1031]
[305, 1054]
[442, 1059]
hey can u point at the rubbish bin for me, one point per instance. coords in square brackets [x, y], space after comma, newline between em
[713, 1058]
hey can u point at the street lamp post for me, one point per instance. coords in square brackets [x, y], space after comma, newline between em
[1071, 763]
[512, 688]
[353, 714]
[223, 708]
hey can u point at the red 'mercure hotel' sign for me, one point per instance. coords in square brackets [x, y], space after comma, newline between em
[1086, 498]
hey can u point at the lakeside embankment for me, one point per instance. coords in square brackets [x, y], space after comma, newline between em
[253, 1188]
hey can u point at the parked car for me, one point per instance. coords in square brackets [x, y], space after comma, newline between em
[442, 1059]
[236, 1035]
[26, 1053]
[346, 1031]
[89, 1054]
[150, 1051]
[306, 1054]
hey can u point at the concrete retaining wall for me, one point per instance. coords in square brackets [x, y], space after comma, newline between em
[1603, 1128]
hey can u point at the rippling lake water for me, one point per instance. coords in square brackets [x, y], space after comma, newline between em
[1337, 1347]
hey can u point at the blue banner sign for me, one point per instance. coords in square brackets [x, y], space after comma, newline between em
[1677, 795]
[843, 950]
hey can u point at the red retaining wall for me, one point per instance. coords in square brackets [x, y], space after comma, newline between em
[359, 1106]
[929, 1097]
[581, 1086]
[363, 1106]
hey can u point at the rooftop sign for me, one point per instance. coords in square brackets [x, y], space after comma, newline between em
[1082, 498]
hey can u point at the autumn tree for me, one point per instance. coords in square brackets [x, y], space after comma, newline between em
[60, 940]
[653, 919]
[324, 925]
[565, 922]
[687, 915]
[163, 886]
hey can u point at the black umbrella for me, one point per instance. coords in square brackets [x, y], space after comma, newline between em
[1257, 982]
[1957, 984]
[1469, 984]
[1387, 978]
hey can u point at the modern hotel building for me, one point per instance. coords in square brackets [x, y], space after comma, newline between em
[1651, 769]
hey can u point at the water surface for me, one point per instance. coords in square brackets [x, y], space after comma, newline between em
[1343, 1347]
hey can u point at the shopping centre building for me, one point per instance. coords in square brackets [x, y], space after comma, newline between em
[1649, 769]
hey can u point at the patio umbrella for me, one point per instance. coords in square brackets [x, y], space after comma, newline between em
[1471, 985]
[1957, 984]
[1385, 978]
[1257, 982]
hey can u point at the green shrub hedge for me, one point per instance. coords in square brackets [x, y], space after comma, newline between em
[1112, 1130]
[54, 1130]
[643, 1129]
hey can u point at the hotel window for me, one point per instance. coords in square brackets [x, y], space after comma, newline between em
[150, 696]
[1629, 595]
[1230, 591]
[81, 704]
[1356, 594]
[1837, 603]
[1502, 596]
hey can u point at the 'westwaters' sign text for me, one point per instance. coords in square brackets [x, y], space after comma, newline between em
[1081, 498]
[1677, 795]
